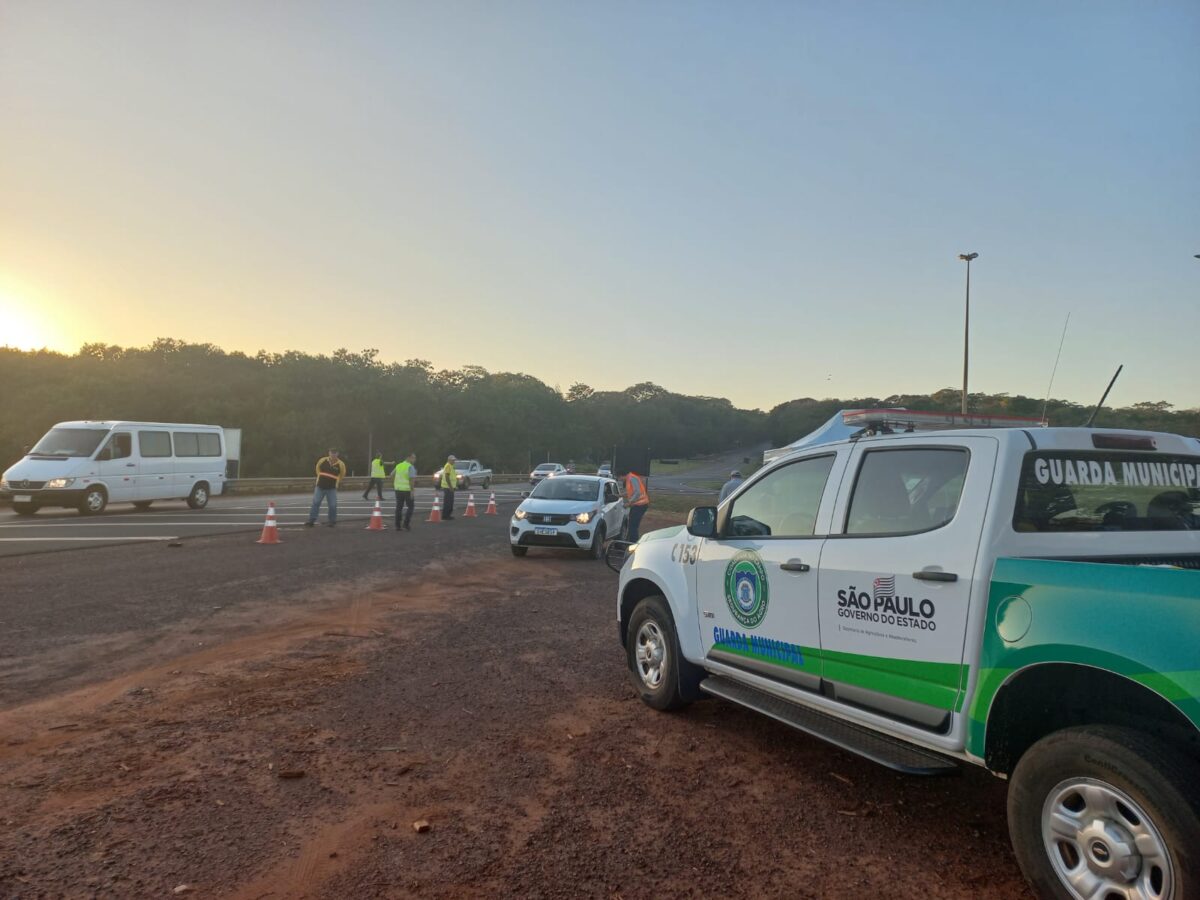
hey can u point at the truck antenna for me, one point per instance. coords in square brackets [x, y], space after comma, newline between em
[1092, 417]
[1054, 371]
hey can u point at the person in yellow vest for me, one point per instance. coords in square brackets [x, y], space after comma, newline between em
[330, 472]
[636, 501]
[378, 473]
[404, 479]
[449, 482]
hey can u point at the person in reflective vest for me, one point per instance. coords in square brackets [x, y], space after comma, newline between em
[404, 477]
[378, 473]
[330, 472]
[636, 501]
[449, 481]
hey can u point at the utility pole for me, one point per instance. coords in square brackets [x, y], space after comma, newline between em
[967, 257]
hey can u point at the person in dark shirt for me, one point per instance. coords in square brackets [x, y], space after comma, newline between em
[330, 472]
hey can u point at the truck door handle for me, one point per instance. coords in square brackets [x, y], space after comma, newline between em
[795, 565]
[935, 576]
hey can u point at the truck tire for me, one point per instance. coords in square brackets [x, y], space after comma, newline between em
[1103, 805]
[597, 549]
[198, 498]
[25, 509]
[662, 677]
[465, 484]
[487, 483]
[94, 501]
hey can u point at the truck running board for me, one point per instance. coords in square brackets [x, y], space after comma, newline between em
[881, 748]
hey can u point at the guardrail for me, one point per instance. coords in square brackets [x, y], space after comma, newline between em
[350, 482]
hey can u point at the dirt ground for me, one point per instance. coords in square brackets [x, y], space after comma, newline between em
[488, 698]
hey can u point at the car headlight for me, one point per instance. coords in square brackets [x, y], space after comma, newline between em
[59, 482]
[3, 485]
[519, 514]
[584, 517]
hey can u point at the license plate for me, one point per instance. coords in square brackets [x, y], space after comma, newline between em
[22, 498]
[546, 532]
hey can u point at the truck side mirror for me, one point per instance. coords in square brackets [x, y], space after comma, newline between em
[702, 522]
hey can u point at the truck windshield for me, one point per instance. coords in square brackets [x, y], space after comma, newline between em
[566, 489]
[69, 442]
[1085, 491]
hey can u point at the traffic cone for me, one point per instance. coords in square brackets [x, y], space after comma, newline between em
[270, 533]
[470, 513]
[376, 523]
[435, 514]
[491, 507]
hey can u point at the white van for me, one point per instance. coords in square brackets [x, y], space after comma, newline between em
[88, 465]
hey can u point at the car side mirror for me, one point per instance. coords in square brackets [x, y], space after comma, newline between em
[524, 494]
[702, 522]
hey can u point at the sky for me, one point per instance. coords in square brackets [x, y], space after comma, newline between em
[753, 200]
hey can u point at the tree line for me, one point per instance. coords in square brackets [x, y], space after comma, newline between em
[292, 406]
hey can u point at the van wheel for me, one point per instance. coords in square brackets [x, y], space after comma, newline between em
[1102, 811]
[25, 509]
[662, 677]
[597, 549]
[518, 551]
[93, 501]
[142, 505]
[198, 498]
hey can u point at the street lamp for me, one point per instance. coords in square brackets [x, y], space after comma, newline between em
[966, 257]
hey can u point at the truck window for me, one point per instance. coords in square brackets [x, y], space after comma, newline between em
[783, 503]
[906, 491]
[1102, 491]
[154, 443]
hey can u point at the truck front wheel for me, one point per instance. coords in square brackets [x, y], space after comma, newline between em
[662, 677]
[1101, 811]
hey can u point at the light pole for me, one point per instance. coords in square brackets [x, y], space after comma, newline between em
[967, 257]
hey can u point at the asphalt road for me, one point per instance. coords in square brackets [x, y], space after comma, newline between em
[717, 468]
[166, 521]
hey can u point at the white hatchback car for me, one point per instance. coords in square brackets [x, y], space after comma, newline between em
[571, 512]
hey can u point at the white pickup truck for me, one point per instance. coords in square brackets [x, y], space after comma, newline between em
[1023, 599]
[471, 472]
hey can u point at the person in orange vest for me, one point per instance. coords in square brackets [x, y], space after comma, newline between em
[330, 472]
[636, 501]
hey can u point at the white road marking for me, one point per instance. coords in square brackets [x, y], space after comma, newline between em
[44, 540]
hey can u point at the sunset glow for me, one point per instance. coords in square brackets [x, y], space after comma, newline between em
[21, 326]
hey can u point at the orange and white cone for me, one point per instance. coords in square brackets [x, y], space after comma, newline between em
[435, 514]
[470, 513]
[270, 532]
[376, 523]
[491, 507]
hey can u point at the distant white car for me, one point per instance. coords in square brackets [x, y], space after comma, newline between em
[605, 470]
[546, 470]
[570, 512]
[471, 471]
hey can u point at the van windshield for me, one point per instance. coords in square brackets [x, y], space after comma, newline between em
[69, 442]
[1085, 491]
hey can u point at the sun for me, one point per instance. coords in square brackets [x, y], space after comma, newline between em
[20, 325]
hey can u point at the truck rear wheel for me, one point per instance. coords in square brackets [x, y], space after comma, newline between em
[662, 677]
[1101, 811]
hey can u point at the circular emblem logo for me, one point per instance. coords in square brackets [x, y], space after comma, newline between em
[746, 590]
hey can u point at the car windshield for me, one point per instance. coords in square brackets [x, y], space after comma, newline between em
[575, 489]
[69, 442]
[546, 467]
[1083, 491]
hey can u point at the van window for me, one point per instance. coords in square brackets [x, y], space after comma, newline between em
[154, 443]
[1088, 491]
[119, 446]
[210, 444]
[186, 443]
[906, 491]
[783, 503]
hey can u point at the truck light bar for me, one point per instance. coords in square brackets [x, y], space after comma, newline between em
[884, 421]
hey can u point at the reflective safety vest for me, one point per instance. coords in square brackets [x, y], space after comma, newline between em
[635, 490]
[402, 477]
[449, 477]
[377, 470]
